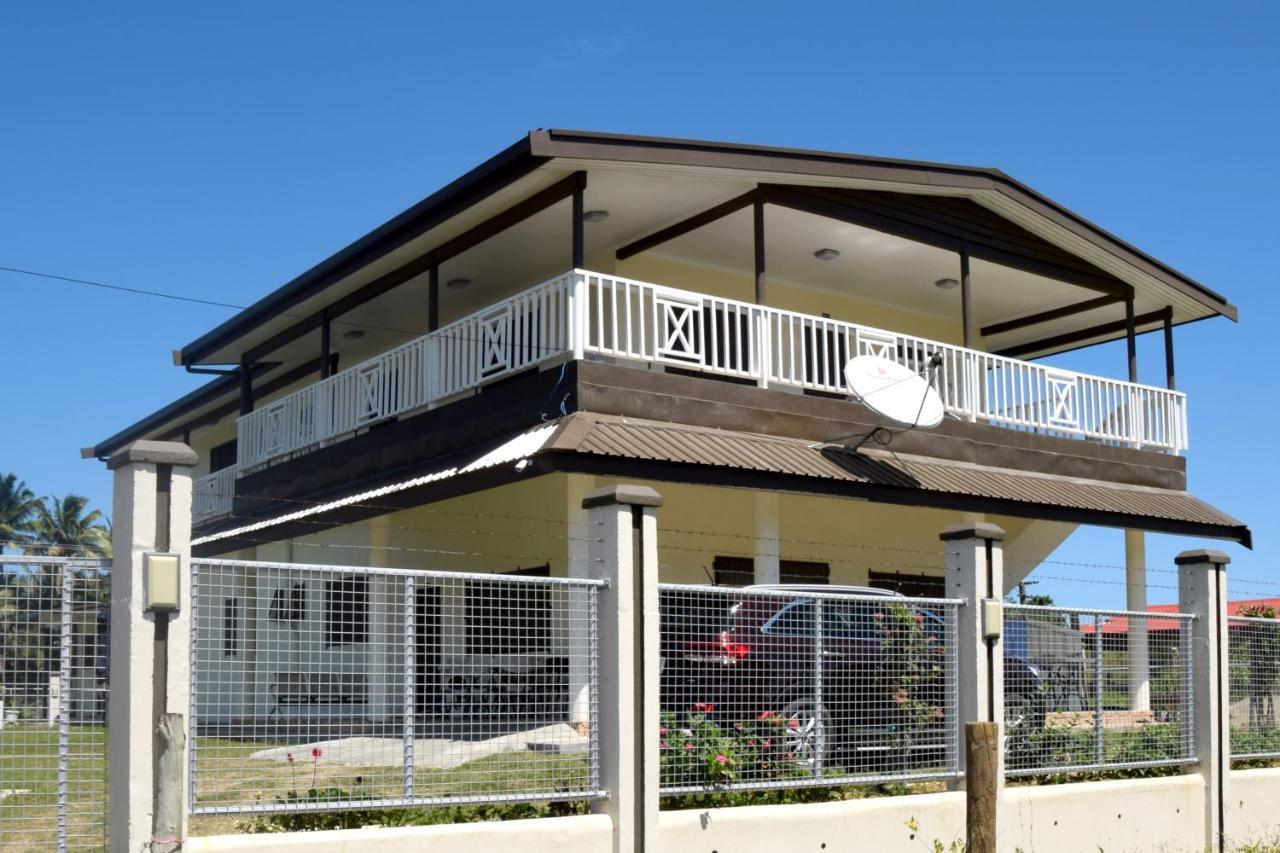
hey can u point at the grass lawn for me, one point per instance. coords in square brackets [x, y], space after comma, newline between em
[29, 764]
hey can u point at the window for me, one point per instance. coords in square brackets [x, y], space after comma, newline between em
[222, 456]
[734, 571]
[230, 627]
[794, 620]
[288, 605]
[346, 611]
[804, 571]
[916, 586]
[508, 618]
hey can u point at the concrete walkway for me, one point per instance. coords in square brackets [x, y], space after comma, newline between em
[429, 752]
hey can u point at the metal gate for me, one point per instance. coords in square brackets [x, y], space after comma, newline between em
[54, 619]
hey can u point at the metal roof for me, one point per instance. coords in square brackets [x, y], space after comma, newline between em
[928, 479]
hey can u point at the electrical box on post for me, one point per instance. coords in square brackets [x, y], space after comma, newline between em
[992, 618]
[160, 573]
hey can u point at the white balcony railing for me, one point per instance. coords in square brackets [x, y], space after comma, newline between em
[636, 320]
[587, 314]
[211, 496]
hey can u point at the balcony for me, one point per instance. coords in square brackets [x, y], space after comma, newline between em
[582, 314]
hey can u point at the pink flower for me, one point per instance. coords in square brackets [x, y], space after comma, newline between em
[765, 716]
[704, 707]
[938, 713]
[901, 696]
[793, 724]
[317, 753]
[919, 618]
[722, 758]
[662, 730]
[688, 746]
[662, 745]
[767, 745]
[289, 757]
[751, 742]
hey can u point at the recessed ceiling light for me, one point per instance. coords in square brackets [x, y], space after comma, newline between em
[353, 334]
[458, 283]
[946, 284]
[826, 254]
[595, 216]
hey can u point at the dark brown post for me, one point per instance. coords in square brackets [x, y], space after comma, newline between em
[579, 238]
[433, 297]
[982, 747]
[246, 388]
[1131, 338]
[966, 306]
[1170, 377]
[326, 348]
[758, 210]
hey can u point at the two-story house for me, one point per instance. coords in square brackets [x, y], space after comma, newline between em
[585, 307]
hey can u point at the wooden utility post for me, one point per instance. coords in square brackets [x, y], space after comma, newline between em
[982, 777]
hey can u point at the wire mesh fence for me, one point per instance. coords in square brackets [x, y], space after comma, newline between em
[54, 618]
[1253, 645]
[334, 687]
[769, 688]
[1094, 690]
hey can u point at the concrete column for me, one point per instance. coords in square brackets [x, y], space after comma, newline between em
[1135, 575]
[768, 562]
[1202, 590]
[626, 555]
[975, 572]
[578, 565]
[151, 511]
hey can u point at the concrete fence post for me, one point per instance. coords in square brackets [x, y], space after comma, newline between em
[975, 573]
[624, 552]
[151, 511]
[1202, 590]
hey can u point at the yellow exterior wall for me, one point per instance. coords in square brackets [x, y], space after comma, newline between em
[527, 524]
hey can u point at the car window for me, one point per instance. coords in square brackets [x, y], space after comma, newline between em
[794, 620]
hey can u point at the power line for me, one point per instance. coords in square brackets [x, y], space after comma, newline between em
[121, 288]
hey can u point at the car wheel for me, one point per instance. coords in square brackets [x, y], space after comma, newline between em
[805, 738]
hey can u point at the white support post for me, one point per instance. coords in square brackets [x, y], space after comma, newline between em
[624, 552]
[975, 573]
[578, 565]
[578, 315]
[151, 512]
[1202, 590]
[1135, 575]
[768, 562]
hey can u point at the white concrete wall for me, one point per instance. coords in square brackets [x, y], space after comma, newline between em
[1253, 813]
[1121, 816]
[581, 834]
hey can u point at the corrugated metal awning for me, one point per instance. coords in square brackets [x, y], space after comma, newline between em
[751, 459]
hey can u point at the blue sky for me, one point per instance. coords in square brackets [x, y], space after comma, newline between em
[218, 151]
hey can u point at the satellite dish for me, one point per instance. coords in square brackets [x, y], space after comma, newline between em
[894, 391]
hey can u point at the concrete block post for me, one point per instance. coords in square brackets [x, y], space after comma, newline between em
[624, 552]
[975, 572]
[151, 511]
[1202, 590]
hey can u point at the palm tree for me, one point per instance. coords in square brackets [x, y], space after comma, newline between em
[18, 506]
[64, 528]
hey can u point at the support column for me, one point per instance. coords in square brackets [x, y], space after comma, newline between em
[1202, 590]
[966, 301]
[578, 565]
[246, 387]
[626, 555]
[326, 346]
[975, 572]
[433, 297]
[768, 562]
[1131, 338]
[758, 239]
[1135, 576]
[151, 511]
[1170, 375]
